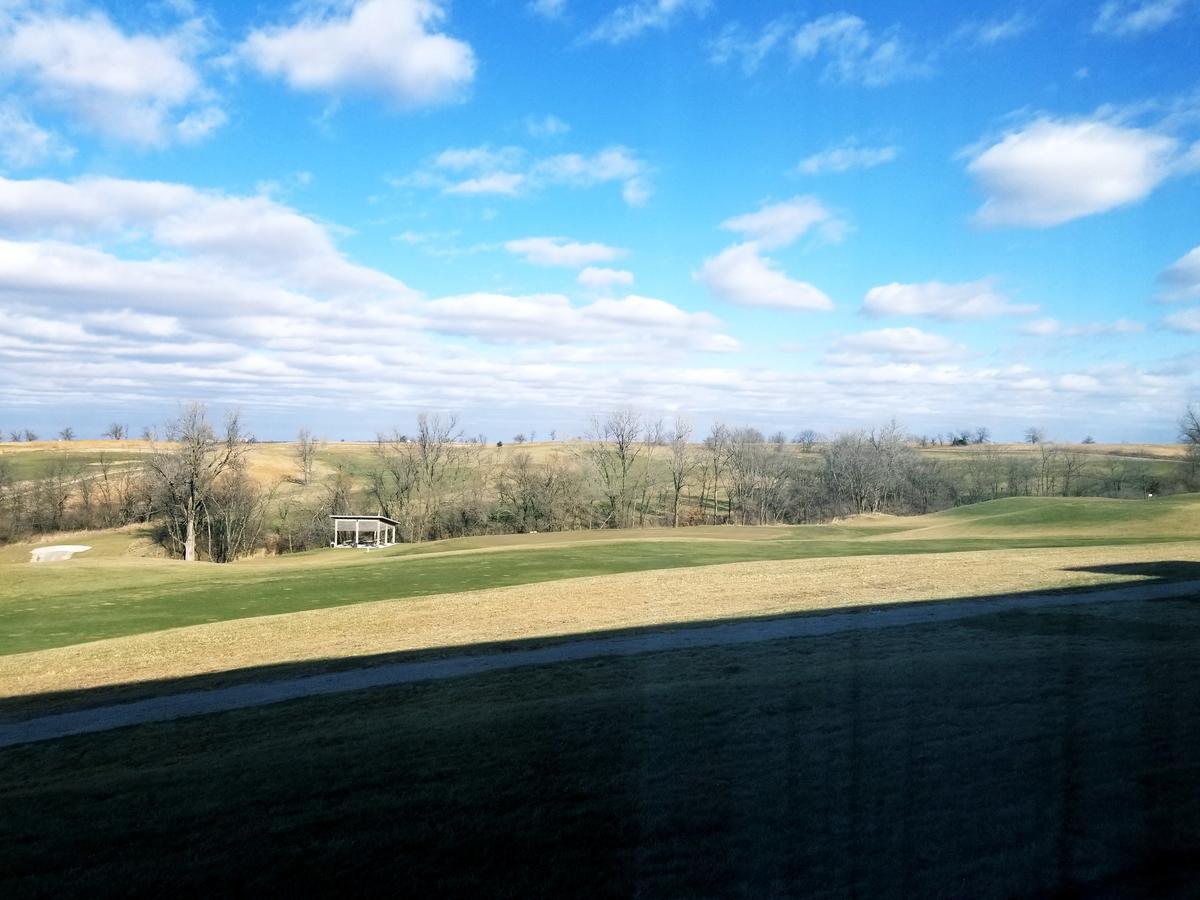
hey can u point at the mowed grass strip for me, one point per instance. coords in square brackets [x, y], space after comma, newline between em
[54, 605]
[450, 624]
[1023, 754]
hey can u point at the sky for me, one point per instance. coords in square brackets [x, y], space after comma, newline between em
[818, 215]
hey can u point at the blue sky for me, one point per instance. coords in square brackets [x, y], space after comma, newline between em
[793, 215]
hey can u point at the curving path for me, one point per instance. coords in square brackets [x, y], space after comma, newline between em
[242, 696]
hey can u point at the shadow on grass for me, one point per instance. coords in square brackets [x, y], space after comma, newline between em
[15, 709]
[957, 759]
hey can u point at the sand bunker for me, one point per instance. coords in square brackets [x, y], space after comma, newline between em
[57, 552]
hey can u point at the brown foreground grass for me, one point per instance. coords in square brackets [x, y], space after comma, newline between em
[573, 607]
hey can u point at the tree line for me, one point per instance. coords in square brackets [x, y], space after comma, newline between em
[194, 492]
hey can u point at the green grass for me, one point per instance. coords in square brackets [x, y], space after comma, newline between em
[1038, 753]
[52, 605]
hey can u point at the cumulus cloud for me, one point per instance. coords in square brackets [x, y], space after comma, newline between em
[24, 143]
[151, 291]
[1124, 18]
[1185, 322]
[557, 251]
[1050, 327]
[941, 300]
[896, 344]
[545, 126]
[736, 45]
[780, 224]
[255, 236]
[629, 20]
[548, 9]
[1052, 171]
[846, 157]
[600, 279]
[987, 32]
[1181, 280]
[853, 54]
[741, 275]
[392, 48]
[512, 171]
[140, 88]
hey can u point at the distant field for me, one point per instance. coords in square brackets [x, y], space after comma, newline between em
[52, 605]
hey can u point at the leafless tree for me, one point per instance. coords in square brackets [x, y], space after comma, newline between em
[806, 440]
[1189, 435]
[1048, 469]
[187, 469]
[116, 432]
[306, 454]
[415, 475]
[1035, 435]
[682, 463]
[67, 434]
[613, 447]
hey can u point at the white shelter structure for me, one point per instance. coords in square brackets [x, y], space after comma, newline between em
[363, 531]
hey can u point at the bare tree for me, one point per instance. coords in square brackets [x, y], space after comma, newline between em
[186, 470]
[1189, 435]
[1035, 435]
[306, 454]
[717, 450]
[682, 461]
[116, 432]
[29, 435]
[806, 439]
[614, 445]
[67, 434]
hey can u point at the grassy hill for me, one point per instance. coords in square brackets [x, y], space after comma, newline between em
[108, 593]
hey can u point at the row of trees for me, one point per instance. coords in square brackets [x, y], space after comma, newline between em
[194, 489]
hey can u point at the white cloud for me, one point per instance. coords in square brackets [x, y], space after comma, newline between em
[1123, 18]
[734, 44]
[845, 157]
[506, 183]
[551, 317]
[23, 143]
[132, 322]
[510, 171]
[899, 344]
[545, 126]
[130, 87]
[556, 251]
[1187, 321]
[740, 275]
[255, 237]
[855, 55]
[629, 20]
[598, 279]
[196, 126]
[939, 300]
[549, 9]
[1181, 279]
[1052, 171]
[388, 47]
[1050, 327]
[987, 32]
[779, 224]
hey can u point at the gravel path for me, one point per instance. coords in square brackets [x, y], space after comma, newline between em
[242, 696]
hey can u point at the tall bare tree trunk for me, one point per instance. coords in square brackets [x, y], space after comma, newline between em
[189, 541]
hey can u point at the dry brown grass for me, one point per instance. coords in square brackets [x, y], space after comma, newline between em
[571, 607]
